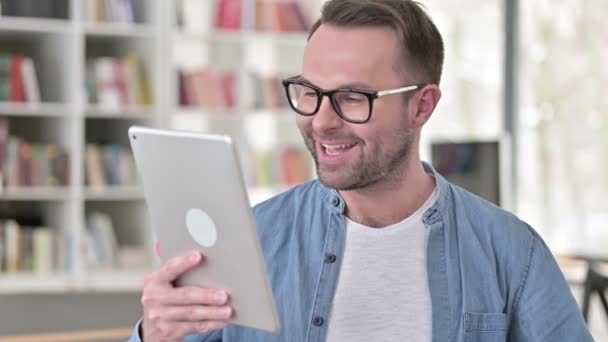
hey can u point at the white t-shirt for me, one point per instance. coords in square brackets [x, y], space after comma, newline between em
[382, 292]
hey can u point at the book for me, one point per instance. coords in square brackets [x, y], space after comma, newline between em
[11, 241]
[17, 90]
[278, 16]
[42, 250]
[265, 92]
[206, 89]
[103, 239]
[4, 127]
[115, 83]
[107, 91]
[27, 245]
[228, 15]
[5, 83]
[136, 80]
[109, 165]
[94, 171]
[195, 15]
[29, 164]
[30, 81]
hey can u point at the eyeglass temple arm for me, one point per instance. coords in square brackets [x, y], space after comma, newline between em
[399, 90]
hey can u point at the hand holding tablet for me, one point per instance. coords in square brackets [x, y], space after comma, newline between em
[174, 312]
[197, 201]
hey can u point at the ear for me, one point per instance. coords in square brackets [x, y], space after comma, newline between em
[422, 104]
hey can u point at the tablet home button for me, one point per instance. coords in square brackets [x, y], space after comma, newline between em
[201, 227]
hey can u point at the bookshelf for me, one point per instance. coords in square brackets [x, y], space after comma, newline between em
[74, 108]
[240, 58]
[101, 66]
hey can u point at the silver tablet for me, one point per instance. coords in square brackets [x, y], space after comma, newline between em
[197, 200]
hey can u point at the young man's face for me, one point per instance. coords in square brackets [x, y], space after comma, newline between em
[352, 156]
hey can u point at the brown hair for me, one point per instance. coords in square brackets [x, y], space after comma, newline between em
[421, 42]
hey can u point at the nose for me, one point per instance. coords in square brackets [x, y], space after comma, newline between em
[326, 118]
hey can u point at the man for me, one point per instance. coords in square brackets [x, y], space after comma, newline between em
[380, 248]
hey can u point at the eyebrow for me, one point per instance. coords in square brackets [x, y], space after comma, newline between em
[350, 85]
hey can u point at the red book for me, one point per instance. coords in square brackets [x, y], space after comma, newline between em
[16, 86]
[229, 14]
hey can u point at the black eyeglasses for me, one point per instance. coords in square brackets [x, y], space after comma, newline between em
[352, 105]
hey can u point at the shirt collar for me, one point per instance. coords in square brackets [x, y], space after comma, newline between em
[335, 203]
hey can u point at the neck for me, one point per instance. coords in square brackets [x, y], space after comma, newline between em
[388, 202]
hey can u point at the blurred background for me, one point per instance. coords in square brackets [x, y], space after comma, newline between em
[522, 123]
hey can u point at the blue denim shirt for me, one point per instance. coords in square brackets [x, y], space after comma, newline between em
[491, 277]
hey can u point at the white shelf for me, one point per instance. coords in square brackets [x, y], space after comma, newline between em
[35, 109]
[114, 193]
[94, 281]
[34, 25]
[129, 112]
[217, 114]
[115, 280]
[120, 30]
[35, 194]
[216, 36]
[287, 115]
[28, 282]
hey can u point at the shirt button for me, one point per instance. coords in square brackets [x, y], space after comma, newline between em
[318, 321]
[335, 201]
[330, 258]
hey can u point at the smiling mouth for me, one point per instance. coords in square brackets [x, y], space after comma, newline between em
[336, 149]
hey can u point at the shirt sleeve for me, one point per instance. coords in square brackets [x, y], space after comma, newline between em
[546, 309]
[136, 337]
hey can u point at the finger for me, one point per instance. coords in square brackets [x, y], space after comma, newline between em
[189, 295]
[191, 313]
[178, 330]
[157, 250]
[178, 265]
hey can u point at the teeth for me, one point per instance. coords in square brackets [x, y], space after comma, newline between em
[333, 150]
[333, 147]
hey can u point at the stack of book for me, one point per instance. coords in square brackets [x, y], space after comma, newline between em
[27, 248]
[207, 89]
[267, 93]
[249, 15]
[101, 245]
[109, 165]
[122, 11]
[18, 80]
[27, 164]
[228, 14]
[103, 250]
[201, 16]
[116, 83]
[277, 16]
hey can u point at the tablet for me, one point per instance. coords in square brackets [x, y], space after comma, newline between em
[197, 200]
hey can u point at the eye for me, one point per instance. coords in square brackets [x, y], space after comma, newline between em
[351, 98]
